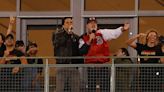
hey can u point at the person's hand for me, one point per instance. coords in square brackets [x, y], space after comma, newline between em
[11, 24]
[12, 20]
[142, 34]
[6, 53]
[126, 27]
[91, 36]
[32, 49]
[15, 70]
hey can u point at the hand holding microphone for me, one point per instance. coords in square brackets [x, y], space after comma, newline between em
[70, 29]
[92, 36]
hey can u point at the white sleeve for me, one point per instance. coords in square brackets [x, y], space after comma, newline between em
[81, 43]
[109, 34]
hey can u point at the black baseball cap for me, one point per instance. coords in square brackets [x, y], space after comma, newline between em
[9, 36]
[91, 19]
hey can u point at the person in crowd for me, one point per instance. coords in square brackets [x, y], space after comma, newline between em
[19, 45]
[2, 36]
[149, 77]
[12, 75]
[2, 46]
[65, 43]
[2, 49]
[161, 42]
[94, 44]
[123, 74]
[33, 74]
[121, 53]
[6, 74]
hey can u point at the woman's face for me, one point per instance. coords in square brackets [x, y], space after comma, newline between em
[152, 37]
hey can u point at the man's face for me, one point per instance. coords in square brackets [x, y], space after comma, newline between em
[91, 26]
[68, 23]
[9, 42]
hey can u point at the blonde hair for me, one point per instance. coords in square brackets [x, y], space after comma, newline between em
[144, 39]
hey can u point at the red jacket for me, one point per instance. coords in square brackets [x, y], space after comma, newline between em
[98, 48]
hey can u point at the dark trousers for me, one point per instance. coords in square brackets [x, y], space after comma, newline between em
[98, 79]
[10, 82]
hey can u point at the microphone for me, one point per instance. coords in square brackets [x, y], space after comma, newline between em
[93, 31]
[70, 30]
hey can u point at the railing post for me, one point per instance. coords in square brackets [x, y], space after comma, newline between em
[112, 79]
[46, 77]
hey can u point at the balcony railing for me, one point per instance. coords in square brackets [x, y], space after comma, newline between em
[109, 77]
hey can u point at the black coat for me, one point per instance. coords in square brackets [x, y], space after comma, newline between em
[66, 45]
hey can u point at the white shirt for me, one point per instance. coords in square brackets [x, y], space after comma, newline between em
[108, 34]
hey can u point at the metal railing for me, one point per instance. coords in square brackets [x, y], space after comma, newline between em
[110, 77]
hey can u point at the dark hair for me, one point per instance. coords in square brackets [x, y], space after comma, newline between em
[19, 43]
[2, 36]
[9, 36]
[162, 44]
[124, 50]
[63, 20]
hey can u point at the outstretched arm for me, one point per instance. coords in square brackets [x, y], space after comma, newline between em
[109, 34]
[11, 24]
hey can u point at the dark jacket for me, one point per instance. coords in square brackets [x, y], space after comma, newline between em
[36, 61]
[66, 45]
